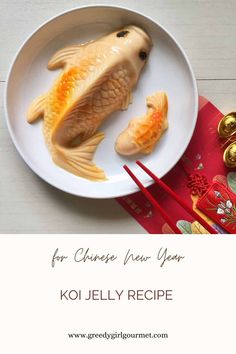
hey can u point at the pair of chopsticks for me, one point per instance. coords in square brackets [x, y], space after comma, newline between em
[175, 196]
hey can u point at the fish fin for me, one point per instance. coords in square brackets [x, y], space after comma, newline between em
[78, 160]
[62, 56]
[128, 100]
[36, 109]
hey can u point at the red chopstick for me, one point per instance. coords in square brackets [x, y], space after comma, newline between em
[179, 200]
[153, 201]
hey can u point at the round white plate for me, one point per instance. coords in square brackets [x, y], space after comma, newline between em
[167, 69]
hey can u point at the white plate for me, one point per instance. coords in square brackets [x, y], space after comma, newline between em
[167, 69]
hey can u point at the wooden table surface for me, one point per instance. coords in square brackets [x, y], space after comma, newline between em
[207, 32]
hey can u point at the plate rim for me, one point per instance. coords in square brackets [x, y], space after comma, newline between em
[17, 146]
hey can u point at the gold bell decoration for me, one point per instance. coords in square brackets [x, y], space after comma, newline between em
[227, 130]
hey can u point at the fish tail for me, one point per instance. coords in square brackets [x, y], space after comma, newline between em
[78, 160]
[158, 102]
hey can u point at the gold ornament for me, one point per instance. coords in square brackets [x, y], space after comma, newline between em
[227, 125]
[230, 155]
[227, 130]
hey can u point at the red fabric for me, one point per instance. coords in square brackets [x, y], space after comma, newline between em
[203, 157]
[219, 203]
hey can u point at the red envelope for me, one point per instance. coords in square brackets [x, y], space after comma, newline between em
[219, 204]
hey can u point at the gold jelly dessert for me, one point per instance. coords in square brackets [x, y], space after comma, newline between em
[143, 133]
[97, 79]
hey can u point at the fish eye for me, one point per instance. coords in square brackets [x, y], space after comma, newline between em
[142, 55]
[122, 33]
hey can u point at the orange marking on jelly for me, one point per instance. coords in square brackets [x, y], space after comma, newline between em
[157, 115]
[64, 88]
[152, 126]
